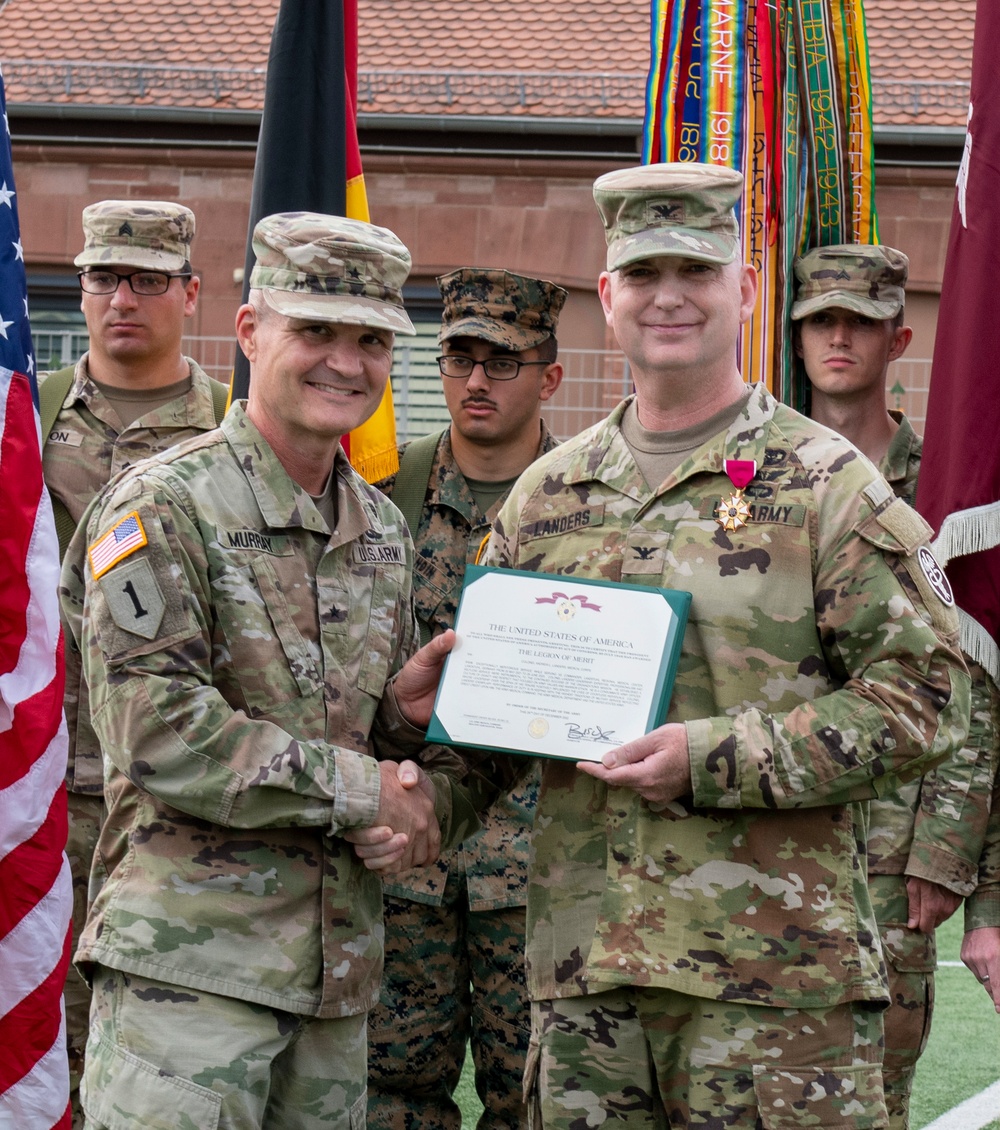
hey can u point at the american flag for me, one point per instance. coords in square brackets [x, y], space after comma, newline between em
[124, 537]
[35, 887]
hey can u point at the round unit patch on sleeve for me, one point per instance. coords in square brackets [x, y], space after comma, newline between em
[935, 576]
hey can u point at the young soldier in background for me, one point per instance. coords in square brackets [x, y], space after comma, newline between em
[926, 836]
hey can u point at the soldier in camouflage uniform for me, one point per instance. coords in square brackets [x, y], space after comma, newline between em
[454, 969]
[925, 837]
[132, 395]
[246, 621]
[702, 950]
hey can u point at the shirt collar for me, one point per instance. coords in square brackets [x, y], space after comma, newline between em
[608, 455]
[905, 444]
[448, 486]
[283, 503]
[195, 409]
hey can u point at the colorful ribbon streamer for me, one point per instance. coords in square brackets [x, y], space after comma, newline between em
[781, 90]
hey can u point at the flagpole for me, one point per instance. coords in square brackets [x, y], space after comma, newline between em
[35, 911]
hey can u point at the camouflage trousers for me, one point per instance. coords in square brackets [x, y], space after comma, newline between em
[655, 1058]
[162, 1057]
[86, 812]
[910, 958]
[451, 977]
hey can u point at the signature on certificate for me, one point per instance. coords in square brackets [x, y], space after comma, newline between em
[575, 733]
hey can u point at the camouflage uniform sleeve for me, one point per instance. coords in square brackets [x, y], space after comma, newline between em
[501, 549]
[955, 799]
[459, 791]
[891, 647]
[71, 583]
[461, 794]
[456, 799]
[982, 908]
[160, 719]
[71, 601]
[76, 699]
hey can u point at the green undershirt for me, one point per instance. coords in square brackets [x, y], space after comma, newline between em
[486, 493]
[130, 404]
[659, 454]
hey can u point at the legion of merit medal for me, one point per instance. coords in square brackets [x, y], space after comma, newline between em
[733, 513]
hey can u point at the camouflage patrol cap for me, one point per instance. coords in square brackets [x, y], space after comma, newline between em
[864, 277]
[331, 269]
[682, 208]
[511, 310]
[154, 235]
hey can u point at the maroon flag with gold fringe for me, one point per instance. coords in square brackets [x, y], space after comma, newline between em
[959, 486]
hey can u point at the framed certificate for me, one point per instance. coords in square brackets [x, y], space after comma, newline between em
[554, 667]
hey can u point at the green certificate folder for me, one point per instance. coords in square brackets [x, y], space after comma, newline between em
[554, 667]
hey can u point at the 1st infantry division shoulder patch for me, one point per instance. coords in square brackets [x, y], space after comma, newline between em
[124, 538]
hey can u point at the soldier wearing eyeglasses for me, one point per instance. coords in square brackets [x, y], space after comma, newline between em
[132, 395]
[454, 931]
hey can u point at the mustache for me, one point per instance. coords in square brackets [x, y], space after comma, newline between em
[478, 400]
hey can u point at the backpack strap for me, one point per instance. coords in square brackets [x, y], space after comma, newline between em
[220, 399]
[410, 489]
[413, 478]
[51, 394]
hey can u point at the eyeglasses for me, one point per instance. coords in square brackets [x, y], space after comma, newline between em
[145, 283]
[496, 368]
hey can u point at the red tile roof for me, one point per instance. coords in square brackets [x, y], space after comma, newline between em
[554, 58]
[178, 32]
[158, 52]
[561, 58]
[921, 60]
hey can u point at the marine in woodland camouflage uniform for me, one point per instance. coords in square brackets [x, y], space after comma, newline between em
[981, 944]
[454, 970]
[240, 635]
[926, 836]
[89, 444]
[701, 942]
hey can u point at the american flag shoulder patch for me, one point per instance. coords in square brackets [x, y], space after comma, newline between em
[124, 538]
